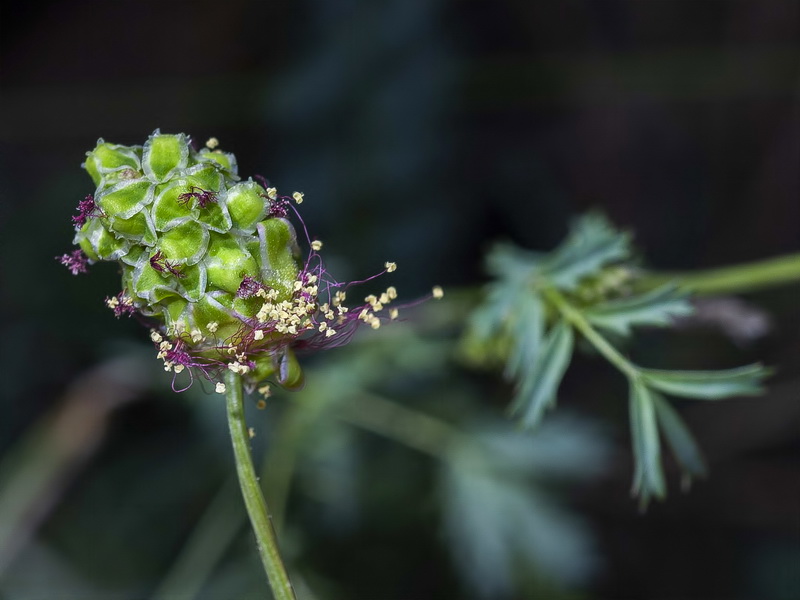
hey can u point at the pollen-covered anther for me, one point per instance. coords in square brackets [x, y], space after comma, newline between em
[330, 332]
[178, 368]
[393, 313]
[316, 245]
[197, 335]
[323, 326]
[219, 388]
[258, 334]
[297, 285]
[375, 323]
[212, 143]
[155, 336]
[390, 267]
[298, 197]
[112, 302]
[339, 297]
[437, 292]
[212, 327]
[272, 193]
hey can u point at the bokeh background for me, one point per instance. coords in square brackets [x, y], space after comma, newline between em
[420, 131]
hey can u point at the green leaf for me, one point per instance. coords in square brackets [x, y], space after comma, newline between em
[527, 329]
[708, 385]
[592, 243]
[679, 438]
[648, 478]
[537, 391]
[655, 308]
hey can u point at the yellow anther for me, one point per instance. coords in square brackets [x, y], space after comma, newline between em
[265, 390]
[165, 345]
[220, 388]
[272, 193]
[298, 197]
[112, 302]
[316, 245]
[197, 335]
[251, 433]
[178, 368]
[438, 292]
[375, 323]
[330, 332]
[297, 285]
[390, 267]
[258, 334]
[384, 299]
[212, 327]
[391, 292]
[155, 336]
[323, 326]
[212, 143]
[393, 312]
[371, 299]
[261, 293]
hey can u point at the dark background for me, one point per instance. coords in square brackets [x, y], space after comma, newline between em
[421, 131]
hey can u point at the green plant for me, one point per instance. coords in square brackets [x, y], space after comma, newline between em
[590, 285]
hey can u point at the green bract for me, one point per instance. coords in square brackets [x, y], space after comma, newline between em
[186, 233]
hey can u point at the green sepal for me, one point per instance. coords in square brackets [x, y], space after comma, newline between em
[164, 155]
[125, 199]
[247, 205]
[226, 160]
[192, 285]
[168, 210]
[98, 243]
[152, 285]
[138, 228]
[185, 243]
[227, 263]
[215, 307]
[107, 158]
[248, 307]
[277, 248]
[207, 176]
[174, 311]
[215, 216]
[290, 373]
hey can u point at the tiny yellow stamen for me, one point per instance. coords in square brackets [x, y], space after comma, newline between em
[212, 143]
[390, 267]
[438, 292]
[220, 388]
[258, 334]
[212, 327]
[316, 245]
[298, 197]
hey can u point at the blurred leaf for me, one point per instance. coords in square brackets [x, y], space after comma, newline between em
[592, 243]
[497, 517]
[648, 478]
[537, 390]
[679, 438]
[708, 385]
[656, 308]
[528, 328]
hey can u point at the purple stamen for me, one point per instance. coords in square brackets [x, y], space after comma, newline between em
[203, 197]
[162, 265]
[249, 287]
[86, 208]
[75, 261]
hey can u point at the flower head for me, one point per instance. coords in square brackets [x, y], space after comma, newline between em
[212, 263]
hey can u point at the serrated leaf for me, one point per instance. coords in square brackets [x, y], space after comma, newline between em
[592, 243]
[537, 390]
[680, 439]
[648, 479]
[708, 385]
[655, 308]
[528, 328]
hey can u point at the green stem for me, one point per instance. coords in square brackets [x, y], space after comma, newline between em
[574, 316]
[414, 429]
[251, 491]
[736, 279]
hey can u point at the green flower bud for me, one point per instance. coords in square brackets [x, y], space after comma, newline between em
[211, 262]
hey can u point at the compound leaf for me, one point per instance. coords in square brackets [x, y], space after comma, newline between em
[708, 385]
[648, 479]
[679, 438]
[656, 308]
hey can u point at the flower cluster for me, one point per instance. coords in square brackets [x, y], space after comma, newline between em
[212, 263]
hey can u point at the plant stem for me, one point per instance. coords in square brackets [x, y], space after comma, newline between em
[736, 279]
[600, 343]
[251, 491]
